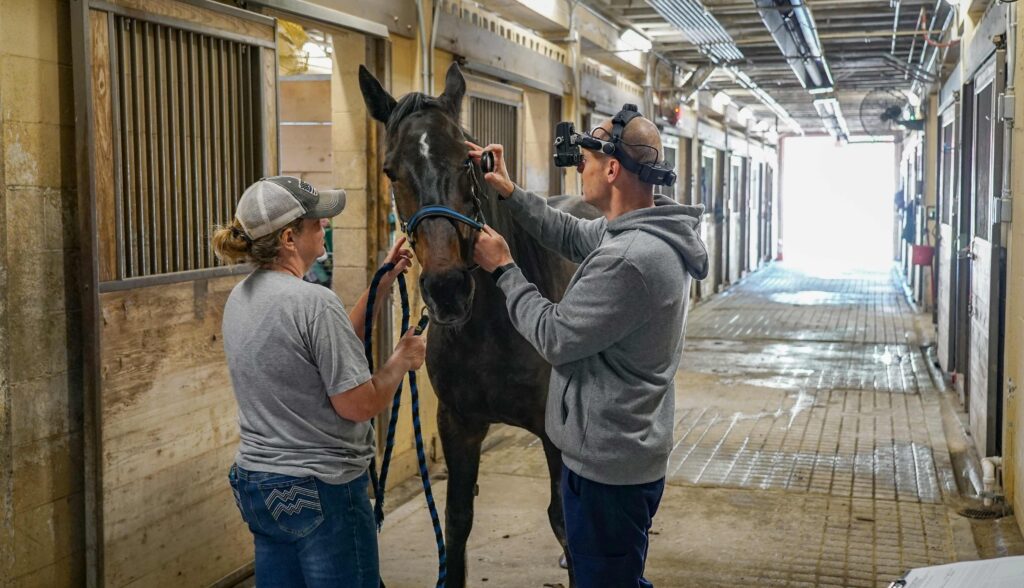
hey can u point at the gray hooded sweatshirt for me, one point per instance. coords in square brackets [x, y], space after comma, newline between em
[616, 338]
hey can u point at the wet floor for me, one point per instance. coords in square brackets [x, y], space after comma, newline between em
[810, 451]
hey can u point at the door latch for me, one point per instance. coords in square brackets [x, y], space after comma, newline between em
[1002, 209]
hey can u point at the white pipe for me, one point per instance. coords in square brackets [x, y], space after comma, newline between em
[988, 479]
[421, 17]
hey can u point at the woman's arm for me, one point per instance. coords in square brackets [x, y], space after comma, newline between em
[402, 258]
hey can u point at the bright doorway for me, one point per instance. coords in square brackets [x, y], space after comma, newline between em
[837, 205]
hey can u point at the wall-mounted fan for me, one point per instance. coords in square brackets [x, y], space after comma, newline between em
[884, 110]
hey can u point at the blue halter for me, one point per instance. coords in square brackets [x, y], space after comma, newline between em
[441, 211]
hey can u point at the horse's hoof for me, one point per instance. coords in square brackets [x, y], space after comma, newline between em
[563, 562]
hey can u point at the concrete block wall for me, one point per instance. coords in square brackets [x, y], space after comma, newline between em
[349, 148]
[41, 477]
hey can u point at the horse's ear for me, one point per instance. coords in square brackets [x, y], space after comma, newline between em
[454, 89]
[377, 99]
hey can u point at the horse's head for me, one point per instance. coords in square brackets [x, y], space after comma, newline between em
[427, 162]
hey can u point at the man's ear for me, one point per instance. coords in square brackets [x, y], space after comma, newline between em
[613, 170]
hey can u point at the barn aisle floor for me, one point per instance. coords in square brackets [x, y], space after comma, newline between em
[811, 450]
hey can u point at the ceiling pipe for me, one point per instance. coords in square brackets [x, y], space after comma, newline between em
[895, 24]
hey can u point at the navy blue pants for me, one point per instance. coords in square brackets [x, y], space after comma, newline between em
[607, 530]
[307, 533]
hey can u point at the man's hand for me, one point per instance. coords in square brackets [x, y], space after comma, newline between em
[411, 350]
[402, 258]
[498, 179]
[491, 250]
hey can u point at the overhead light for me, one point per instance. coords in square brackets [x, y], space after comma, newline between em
[745, 114]
[914, 99]
[762, 125]
[832, 118]
[721, 100]
[631, 40]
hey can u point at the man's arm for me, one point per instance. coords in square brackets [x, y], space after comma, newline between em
[609, 301]
[571, 237]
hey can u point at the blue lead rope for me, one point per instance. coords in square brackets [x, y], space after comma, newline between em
[380, 484]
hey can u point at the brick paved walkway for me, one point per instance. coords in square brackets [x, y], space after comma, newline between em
[809, 452]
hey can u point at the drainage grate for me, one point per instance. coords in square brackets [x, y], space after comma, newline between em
[980, 513]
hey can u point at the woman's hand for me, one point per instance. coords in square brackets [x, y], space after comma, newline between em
[401, 257]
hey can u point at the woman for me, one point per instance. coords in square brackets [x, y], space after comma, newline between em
[305, 395]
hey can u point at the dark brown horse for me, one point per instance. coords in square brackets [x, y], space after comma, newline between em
[483, 371]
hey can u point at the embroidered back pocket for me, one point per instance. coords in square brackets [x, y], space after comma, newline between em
[294, 504]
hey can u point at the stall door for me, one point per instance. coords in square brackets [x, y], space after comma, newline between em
[175, 105]
[947, 251]
[768, 213]
[711, 197]
[754, 212]
[987, 263]
[737, 217]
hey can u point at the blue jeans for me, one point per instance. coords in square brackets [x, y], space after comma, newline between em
[607, 530]
[308, 533]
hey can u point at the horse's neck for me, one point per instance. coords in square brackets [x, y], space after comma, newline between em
[539, 264]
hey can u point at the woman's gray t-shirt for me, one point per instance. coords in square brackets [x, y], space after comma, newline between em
[290, 346]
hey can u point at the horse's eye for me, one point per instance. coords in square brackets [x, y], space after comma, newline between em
[389, 173]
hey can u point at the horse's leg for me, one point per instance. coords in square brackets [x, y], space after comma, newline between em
[461, 439]
[555, 515]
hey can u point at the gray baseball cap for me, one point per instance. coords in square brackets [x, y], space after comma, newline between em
[272, 203]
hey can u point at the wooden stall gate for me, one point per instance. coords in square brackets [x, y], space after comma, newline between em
[988, 261]
[176, 115]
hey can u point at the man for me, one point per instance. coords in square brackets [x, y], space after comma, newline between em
[305, 394]
[614, 341]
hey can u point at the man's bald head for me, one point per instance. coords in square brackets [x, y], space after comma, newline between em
[641, 139]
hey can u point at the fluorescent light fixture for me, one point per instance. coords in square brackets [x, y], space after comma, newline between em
[632, 40]
[721, 100]
[832, 118]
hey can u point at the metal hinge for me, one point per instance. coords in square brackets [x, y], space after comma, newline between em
[1002, 209]
[1005, 106]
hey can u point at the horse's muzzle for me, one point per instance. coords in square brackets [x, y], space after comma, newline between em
[449, 295]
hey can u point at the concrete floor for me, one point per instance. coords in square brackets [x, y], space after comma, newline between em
[810, 451]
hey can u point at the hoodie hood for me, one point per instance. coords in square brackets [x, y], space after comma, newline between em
[675, 224]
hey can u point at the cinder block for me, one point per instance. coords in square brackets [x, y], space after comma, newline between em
[38, 154]
[47, 534]
[36, 28]
[350, 169]
[60, 208]
[350, 248]
[26, 214]
[350, 97]
[348, 131]
[66, 572]
[349, 284]
[42, 408]
[37, 278]
[28, 344]
[47, 470]
[354, 215]
[36, 91]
